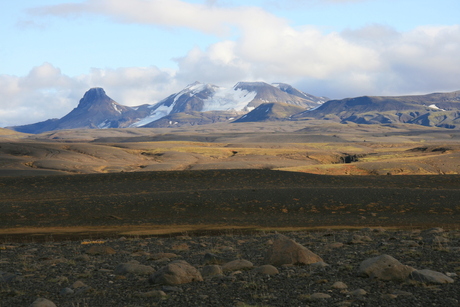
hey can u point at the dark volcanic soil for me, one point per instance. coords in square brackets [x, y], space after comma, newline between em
[44, 219]
[228, 198]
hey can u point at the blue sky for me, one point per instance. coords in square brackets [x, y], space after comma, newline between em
[141, 51]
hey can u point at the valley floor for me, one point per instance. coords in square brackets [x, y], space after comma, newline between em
[168, 202]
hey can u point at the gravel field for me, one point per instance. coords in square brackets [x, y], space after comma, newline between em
[91, 273]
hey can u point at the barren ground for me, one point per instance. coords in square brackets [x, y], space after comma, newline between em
[247, 176]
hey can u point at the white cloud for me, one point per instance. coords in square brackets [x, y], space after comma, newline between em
[373, 60]
[207, 18]
[48, 93]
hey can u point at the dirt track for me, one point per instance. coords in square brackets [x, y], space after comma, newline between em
[162, 202]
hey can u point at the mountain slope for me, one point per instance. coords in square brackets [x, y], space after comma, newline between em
[437, 110]
[193, 118]
[270, 112]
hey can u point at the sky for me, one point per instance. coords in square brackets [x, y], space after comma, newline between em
[141, 51]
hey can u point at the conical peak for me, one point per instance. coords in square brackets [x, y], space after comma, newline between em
[93, 95]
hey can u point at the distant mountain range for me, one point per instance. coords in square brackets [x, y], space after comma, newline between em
[434, 110]
[200, 104]
[196, 104]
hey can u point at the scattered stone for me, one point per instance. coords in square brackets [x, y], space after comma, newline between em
[409, 243]
[236, 273]
[319, 264]
[60, 280]
[169, 289]
[79, 284]
[140, 254]
[211, 271]
[42, 302]
[210, 258]
[66, 291]
[158, 256]
[181, 247]
[236, 265]
[431, 277]
[267, 269]
[358, 292]
[133, 268]
[339, 285]
[384, 267]
[287, 251]
[401, 293]
[335, 245]
[389, 296]
[100, 250]
[176, 273]
[358, 239]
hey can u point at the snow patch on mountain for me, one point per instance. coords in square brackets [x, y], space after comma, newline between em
[116, 108]
[434, 106]
[228, 99]
[158, 113]
[104, 125]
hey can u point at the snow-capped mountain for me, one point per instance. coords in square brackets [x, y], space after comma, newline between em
[202, 103]
[243, 97]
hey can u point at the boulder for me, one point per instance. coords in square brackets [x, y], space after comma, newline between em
[287, 251]
[176, 273]
[210, 258]
[211, 271]
[237, 265]
[431, 277]
[133, 268]
[384, 267]
[42, 302]
[267, 269]
[339, 285]
[358, 292]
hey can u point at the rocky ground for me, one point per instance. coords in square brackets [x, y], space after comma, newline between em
[134, 271]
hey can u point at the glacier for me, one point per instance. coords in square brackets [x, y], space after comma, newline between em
[228, 99]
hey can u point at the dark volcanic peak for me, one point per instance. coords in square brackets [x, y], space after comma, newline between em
[92, 96]
[95, 110]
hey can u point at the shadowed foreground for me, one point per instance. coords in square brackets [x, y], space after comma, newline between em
[174, 202]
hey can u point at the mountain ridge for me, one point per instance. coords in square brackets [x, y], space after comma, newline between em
[435, 109]
[96, 110]
[200, 104]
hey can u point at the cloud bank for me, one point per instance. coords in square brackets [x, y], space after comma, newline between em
[253, 45]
